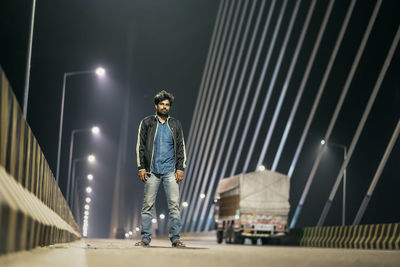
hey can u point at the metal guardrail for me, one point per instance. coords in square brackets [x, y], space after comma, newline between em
[23, 161]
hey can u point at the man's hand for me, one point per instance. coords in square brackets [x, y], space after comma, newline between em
[179, 176]
[143, 175]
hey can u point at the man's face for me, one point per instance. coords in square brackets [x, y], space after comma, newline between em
[163, 107]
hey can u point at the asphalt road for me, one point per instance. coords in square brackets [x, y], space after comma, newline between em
[200, 251]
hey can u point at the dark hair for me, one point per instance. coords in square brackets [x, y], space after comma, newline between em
[161, 96]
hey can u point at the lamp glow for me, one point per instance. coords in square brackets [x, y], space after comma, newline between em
[89, 189]
[91, 158]
[162, 216]
[100, 71]
[185, 204]
[202, 195]
[90, 177]
[95, 130]
[88, 200]
[261, 168]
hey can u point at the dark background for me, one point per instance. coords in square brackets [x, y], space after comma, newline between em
[145, 47]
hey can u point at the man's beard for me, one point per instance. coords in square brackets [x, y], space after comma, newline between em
[159, 113]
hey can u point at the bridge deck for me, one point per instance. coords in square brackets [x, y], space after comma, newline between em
[200, 252]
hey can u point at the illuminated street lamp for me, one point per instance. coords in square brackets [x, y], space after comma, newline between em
[261, 168]
[162, 216]
[90, 177]
[185, 204]
[87, 207]
[91, 158]
[137, 229]
[86, 212]
[95, 130]
[202, 195]
[88, 200]
[99, 72]
[89, 189]
[153, 220]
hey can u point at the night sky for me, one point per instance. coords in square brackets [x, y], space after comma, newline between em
[147, 46]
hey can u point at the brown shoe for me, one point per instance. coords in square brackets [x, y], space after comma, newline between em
[142, 243]
[178, 244]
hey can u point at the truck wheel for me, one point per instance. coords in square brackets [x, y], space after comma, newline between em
[239, 239]
[254, 241]
[265, 240]
[231, 235]
[227, 236]
[276, 241]
[220, 236]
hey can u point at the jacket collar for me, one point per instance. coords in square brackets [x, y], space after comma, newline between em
[156, 117]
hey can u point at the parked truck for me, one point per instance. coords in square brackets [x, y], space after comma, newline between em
[253, 205]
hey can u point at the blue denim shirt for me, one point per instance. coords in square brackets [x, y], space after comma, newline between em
[163, 158]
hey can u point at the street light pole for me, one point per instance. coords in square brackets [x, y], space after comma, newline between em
[60, 129]
[344, 189]
[91, 159]
[71, 148]
[99, 72]
[344, 178]
[28, 61]
[95, 130]
[72, 184]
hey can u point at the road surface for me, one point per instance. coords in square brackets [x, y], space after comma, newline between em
[201, 251]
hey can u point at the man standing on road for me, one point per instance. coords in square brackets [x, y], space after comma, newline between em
[161, 158]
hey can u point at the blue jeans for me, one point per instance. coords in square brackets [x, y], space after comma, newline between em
[171, 189]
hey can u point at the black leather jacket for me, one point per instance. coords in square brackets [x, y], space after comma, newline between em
[145, 142]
